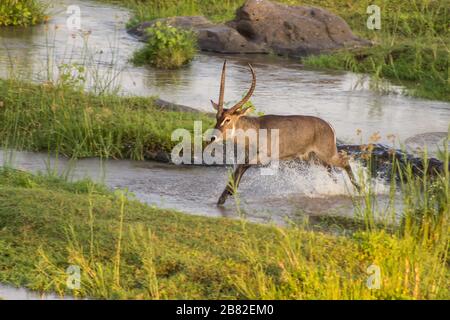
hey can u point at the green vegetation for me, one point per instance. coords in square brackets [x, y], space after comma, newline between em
[128, 250]
[59, 119]
[421, 68]
[145, 10]
[21, 12]
[167, 47]
[412, 48]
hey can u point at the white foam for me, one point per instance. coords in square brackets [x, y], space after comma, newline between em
[314, 180]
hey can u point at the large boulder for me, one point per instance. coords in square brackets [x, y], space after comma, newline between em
[224, 39]
[262, 26]
[293, 30]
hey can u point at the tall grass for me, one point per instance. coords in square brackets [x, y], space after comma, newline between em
[128, 250]
[411, 48]
[410, 250]
[78, 124]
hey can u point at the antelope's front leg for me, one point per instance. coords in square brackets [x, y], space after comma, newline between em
[236, 178]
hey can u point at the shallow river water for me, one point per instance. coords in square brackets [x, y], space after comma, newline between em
[283, 86]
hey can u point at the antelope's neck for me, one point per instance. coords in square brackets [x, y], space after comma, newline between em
[248, 123]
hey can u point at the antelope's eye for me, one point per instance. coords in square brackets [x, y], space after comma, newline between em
[226, 120]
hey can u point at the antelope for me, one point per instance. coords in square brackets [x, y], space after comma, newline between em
[300, 137]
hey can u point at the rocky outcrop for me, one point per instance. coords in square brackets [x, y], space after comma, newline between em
[382, 158]
[262, 26]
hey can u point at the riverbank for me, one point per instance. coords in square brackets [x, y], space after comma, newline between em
[78, 124]
[411, 48]
[128, 250]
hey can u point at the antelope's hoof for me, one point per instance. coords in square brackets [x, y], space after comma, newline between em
[221, 200]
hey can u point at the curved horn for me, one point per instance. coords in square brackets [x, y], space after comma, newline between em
[249, 93]
[222, 88]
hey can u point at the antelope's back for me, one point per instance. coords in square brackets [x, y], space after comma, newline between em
[299, 135]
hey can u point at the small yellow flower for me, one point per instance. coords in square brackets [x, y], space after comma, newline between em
[375, 137]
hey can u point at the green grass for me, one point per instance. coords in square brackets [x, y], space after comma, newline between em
[77, 124]
[417, 16]
[216, 10]
[22, 12]
[412, 48]
[129, 250]
[167, 47]
[422, 68]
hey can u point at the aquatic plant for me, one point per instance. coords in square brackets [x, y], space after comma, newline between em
[167, 47]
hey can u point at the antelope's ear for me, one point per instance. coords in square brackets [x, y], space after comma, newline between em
[215, 105]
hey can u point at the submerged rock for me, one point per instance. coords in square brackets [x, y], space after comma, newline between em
[382, 157]
[262, 26]
[381, 160]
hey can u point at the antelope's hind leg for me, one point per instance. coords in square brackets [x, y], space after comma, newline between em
[341, 161]
[234, 184]
[349, 171]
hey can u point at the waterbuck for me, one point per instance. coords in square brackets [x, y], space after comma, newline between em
[299, 137]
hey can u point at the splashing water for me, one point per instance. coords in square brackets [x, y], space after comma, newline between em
[314, 181]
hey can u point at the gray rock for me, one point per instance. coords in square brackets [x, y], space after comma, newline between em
[224, 39]
[262, 26]
[293, 30]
